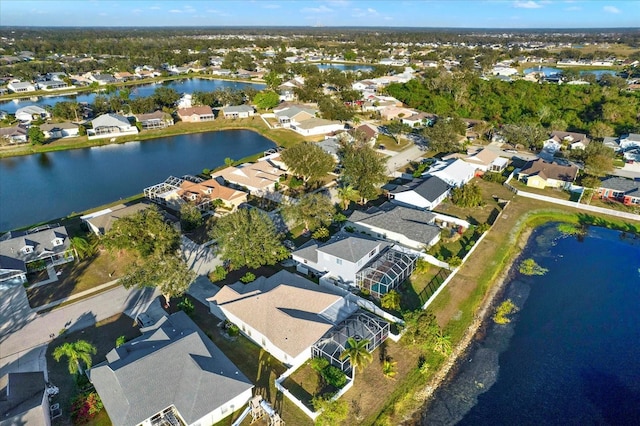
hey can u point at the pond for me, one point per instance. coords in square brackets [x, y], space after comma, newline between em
[570, 355]
[189, 85]
[548, 71]
[46, 186]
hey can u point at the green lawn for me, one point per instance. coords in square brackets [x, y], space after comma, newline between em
[549, 192]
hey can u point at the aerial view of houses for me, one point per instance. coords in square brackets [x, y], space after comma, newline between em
[209, 221]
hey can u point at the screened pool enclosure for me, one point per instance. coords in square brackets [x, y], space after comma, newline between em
[386, 272]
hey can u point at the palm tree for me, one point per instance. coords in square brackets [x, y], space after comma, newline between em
[391, 300]
[442, 343]
[82, 247]
[357, 353]
[78, 352]
[347, 194]
[389, 368]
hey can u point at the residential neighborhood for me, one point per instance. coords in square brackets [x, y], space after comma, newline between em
[336, 276]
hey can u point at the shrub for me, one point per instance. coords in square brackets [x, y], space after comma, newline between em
[334, 376]
[218, 274]
[454, 261]
[186, 305]
[232, 329]
[85, 407]
[350, 229]
[333, 412]
[321, 233]
[318, 364]
[121, 340]
[422, 266]
[494, 177]
[530, 267]
[248, 277]
[295, 182]
[507, 307]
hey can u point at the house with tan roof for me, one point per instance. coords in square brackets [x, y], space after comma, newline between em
[155, 120]
[316, 126]
[259, 178]
[175, 192]
[541, 174]
[196, 114]
[285, 313]
[487, 161]
[394, 112]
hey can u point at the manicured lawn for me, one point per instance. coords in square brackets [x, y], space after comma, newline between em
[82, 275]
[304, 384]
[102, 335]
[486, 213]
[415, 291]
[390, 144]
[610, 204]
[456, 245]
[549, 192]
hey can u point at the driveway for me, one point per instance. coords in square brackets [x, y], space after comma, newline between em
[24, 335]
[402, 158]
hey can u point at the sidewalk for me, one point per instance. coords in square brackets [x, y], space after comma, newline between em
[80, 295]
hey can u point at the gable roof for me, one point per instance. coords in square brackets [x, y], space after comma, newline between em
[628, 186]
[484, 157]
[110, 120]
[312, 123]
[12, 256]
[104, 220]
[572, 137]
[198, 110]
[286, 308]
[430, 188]
[545, 170]
[156, 115]
[369, 131]
[237, 109]
[414, 224]
[255, 175]
[21, 397]
[175, 364]
[31, 110]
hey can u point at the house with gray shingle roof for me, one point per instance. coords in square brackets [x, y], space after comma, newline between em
[172, 374]
[425, 193]
[237, 111]
[409, 227]
[626, 191]
[23, 400]
[22, 251]
[110, 125]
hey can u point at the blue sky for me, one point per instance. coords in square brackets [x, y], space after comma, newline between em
[397, 13]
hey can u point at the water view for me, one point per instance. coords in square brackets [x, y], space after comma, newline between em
[181, 86]
[570, 355]
[549, 71]
[46, 186]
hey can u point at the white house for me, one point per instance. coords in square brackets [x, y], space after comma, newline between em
[406, 226]
[456, 173]
[285, 313]
[487, 161]
[238, 111]
[59, 130]
[31, 112]
[15, 134]
[425, 193]
[632, 140]
[316, 126]
[21, 87]
[195, 382]
[109, 126]
[342, 256]
[572, 139]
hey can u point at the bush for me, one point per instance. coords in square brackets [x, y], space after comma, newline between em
[121, 340]
[186, 305]
[295, 182]
[85, 407]
[321, 233]
[530, 267]
[333, 376]
[318, 364]
[422, 266]
[218, 274]
[248, 277]
[233, 330]
[454, 261]
[494, 177]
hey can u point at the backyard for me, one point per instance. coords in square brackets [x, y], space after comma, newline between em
[80, 276]
[492, 193]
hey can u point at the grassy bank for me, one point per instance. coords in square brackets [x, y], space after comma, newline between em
[281, 137]
[461, 307]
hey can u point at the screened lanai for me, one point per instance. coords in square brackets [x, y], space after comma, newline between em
[361, 326]
[386, 273]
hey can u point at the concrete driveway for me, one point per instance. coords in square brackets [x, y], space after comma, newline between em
[402, 158]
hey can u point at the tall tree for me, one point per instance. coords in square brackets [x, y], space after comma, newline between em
[36, 136]
[266, 99]
[308, 161]
[529, 135]
[468, 195]
[78, 353]
[167, 272]
[357, 353]
[347, 194]
[145, 232]
[363, 169]
[248, 237]
[311, 210]
[190, 217]
[598, 159]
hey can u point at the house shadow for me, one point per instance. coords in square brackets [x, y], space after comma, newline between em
[303, 315]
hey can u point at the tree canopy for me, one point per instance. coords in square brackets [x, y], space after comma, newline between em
[266, 99]
[468, 195]
[36, 136]
[248, 237]
[308, 161]
[145, 232]
[363, 169]
[77, 353]
[311, 210]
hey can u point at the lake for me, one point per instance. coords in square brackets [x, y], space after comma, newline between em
[570, 356]
[189, 85]
[47, 186]
[548, 71]
[346, 67]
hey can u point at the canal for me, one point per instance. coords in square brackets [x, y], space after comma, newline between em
[46, 186]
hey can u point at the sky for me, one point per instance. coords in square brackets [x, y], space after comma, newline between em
[328, 13]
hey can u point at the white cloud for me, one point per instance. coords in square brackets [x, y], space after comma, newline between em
[372, 11]
[136, 11]
[611, 9]
[320, 9]
[155, 8]
[530, 4]
[362, 13]
[175, 11]
[271, 6]
[573, 8]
